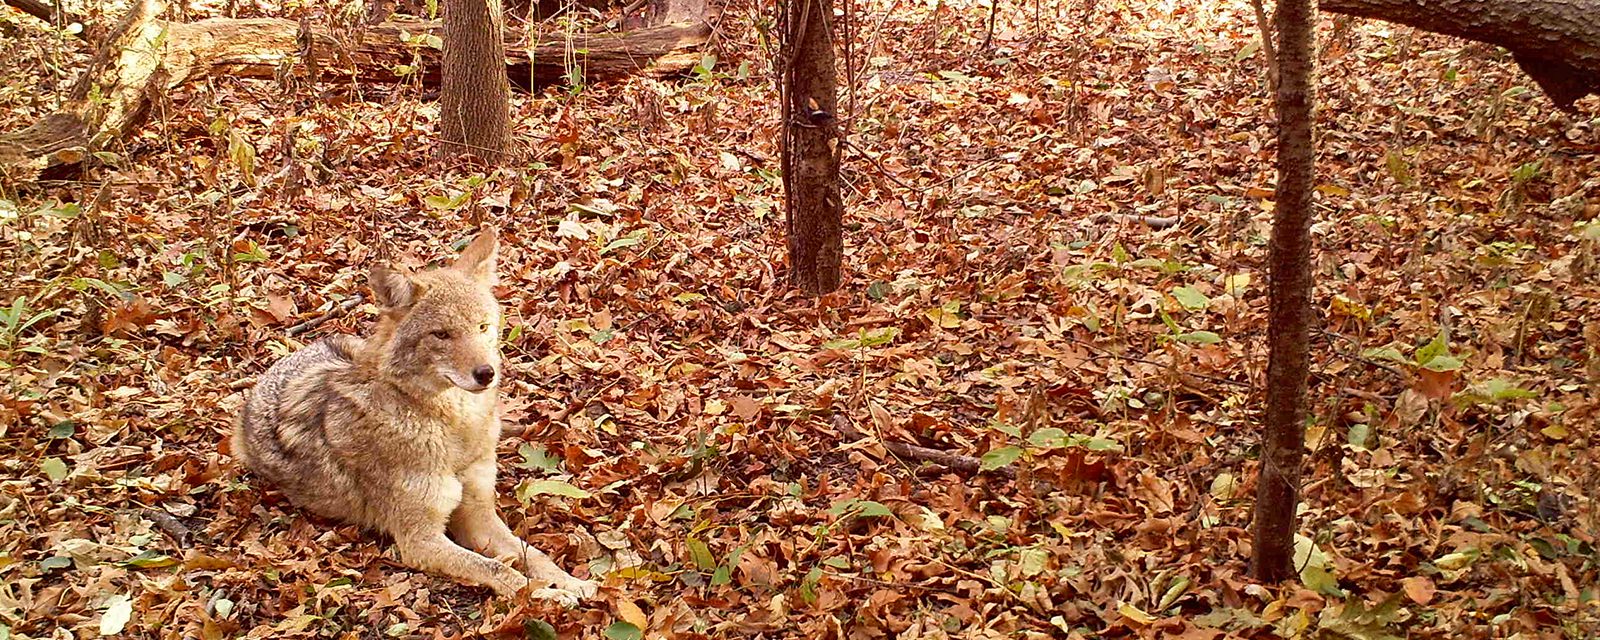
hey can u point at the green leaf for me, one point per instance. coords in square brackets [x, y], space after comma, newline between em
[1439, 346]
[1499, 389]
[117, 615]
[1008, 429]
[1102, 444]
[1525, 172]
[842, 343]
[1321, 581]
[879, 337]
[700, 554]
[999, 458]
[878, 290]
[535, 456]
[254, 254]
[1048, 437]
[1223, 486]
[723, 575]
[1386, 353]
[54, 468]
[808, 585]
[873, 509]
[1358, 435]
[1199, 337]
[625, 241]
[528, 489]
[1442, 363]
[620, 630]
[860, 508]
[1457, 560]
[63, 429]
[535, 629]
[1190, 298]
[150, 559]
[55, 562]
[81, 284]
[439, 202]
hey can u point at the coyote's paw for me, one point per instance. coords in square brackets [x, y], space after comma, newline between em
[566, 598]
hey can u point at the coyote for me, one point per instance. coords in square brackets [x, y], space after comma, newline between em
[397, 431]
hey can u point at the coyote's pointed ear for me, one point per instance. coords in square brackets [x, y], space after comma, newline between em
[393, 288]
[477, 260]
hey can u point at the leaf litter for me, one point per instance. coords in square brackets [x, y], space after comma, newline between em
[673, 413]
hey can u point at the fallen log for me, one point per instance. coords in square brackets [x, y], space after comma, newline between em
[1556, 42]
[146, 56]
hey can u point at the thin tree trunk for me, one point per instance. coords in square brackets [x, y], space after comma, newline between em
[1289, 265]
[1556, 42]
[812, 204]
[475, 97]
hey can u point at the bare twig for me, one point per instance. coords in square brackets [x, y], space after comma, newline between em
[1266, 45]
[955, 461]
[879, 165]
[170, 525]
[1154, 222]
[348, 304]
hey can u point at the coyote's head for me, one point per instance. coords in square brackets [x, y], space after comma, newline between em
[441, 327]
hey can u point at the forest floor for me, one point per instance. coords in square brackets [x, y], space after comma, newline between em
[680, 424]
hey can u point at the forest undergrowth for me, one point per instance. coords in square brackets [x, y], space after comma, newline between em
[1054, 252]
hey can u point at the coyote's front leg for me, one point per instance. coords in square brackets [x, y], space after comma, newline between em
[475, 524]
[417, 522]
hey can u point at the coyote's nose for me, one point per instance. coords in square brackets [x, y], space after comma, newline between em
[483, 375]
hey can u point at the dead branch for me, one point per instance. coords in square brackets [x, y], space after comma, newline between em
[954, 461]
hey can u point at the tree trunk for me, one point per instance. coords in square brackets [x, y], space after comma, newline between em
[810, 150]
[1556, 42]
[475, 97]
[175, 53]
[1289, 312]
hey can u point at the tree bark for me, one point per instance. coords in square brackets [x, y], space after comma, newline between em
[475, 97]
[170, 54]
[813, 208]
[1556, 42]
[1289, 304]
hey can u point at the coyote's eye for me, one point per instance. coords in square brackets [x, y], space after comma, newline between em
[442, 334]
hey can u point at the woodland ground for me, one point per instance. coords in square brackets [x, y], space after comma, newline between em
[658, 367]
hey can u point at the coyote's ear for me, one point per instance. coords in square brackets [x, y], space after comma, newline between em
[394, 289]
[477, 260]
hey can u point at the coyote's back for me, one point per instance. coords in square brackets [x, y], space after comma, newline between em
[282, 432]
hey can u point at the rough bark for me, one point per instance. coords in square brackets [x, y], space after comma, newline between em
[1289, 303]
[812, 204]
[35, 8]
[475, 97]
[1556, 42]
[146, 56]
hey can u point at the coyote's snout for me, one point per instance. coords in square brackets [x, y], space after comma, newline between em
[397, 431]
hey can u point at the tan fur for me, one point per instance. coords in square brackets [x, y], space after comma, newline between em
[395, 432]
